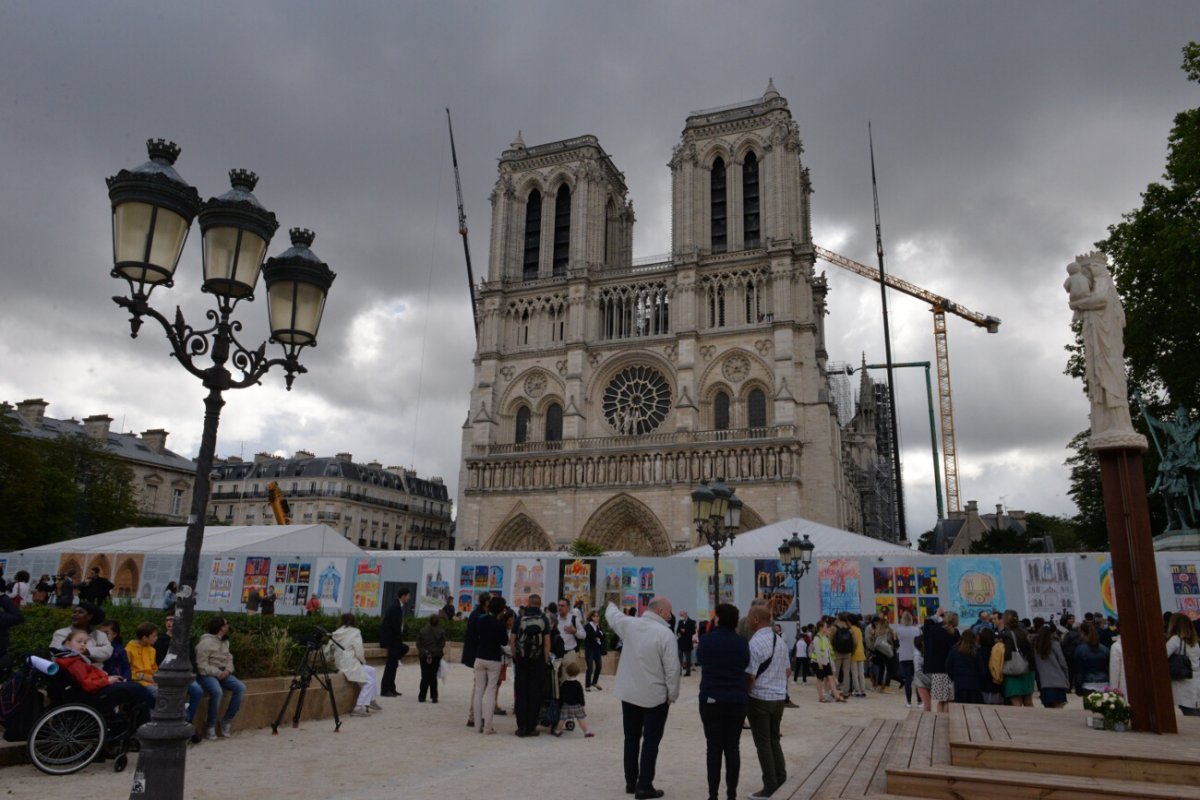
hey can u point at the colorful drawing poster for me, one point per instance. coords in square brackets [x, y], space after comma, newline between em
[621, 586]
[466, 576]
[773, 584]
[367, 574]
[1189, 605]
[331, 576]
[496, 578]
[436, 591]
[289, 587]
[704, 587]
[976, 584]
[1108, 587]
[906, 580]
[927, 607]
[529, 577]
[254, 576]
[220, 581]
[907, 605]
[839, 579]
[885, 580]
[646, 580]
[643, 602]
[1183, 579]
[481, 577]
[475, 580]
[577, 582]
[885, 606]
[927, 581]
[1049, 586]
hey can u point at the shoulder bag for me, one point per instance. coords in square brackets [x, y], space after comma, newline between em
[1179, 665]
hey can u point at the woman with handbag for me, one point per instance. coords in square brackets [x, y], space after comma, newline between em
[1053, 674]
[883, 652]
[940, 634]
[1183, 660]
[1014, 661]
[1091, 661]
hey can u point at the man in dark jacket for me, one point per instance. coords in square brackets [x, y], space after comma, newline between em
[391, 636]
[685, 629]
[96, 588]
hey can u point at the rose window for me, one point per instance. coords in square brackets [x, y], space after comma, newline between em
[637, 400]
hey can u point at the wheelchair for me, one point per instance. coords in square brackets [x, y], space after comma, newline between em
[72, 729]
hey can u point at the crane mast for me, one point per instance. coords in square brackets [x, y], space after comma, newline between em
[940, 306]
[462, 227]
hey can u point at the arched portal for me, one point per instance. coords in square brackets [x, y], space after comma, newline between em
[624, 523]
[519, 532]
[127, 576]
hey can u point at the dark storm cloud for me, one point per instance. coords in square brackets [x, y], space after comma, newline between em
[1007, 140]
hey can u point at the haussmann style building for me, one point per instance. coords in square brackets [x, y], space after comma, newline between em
[605, 389]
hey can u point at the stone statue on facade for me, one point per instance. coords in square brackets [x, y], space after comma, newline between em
[1178, 443]
[1097, 306]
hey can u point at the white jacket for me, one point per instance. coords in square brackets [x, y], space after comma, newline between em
[349, 658]
[648, 672]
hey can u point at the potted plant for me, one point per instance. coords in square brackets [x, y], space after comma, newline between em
[1112, 708]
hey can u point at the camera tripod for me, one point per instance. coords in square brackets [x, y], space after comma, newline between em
[313, 666]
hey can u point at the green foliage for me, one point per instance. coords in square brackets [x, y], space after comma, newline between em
[1005, 540]
[582, 548]
[1063, 531]
[262, 646]
[56, 489]
[926, 541]
[1085, 491]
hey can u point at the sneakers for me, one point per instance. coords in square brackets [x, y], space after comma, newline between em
[761, 794]
[374, 706]
[210, 734]
[359, 711]
[227, 728]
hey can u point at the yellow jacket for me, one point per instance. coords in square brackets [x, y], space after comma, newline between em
[142, 663]
[860, 654]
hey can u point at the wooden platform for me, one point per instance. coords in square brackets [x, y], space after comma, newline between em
[998, 752]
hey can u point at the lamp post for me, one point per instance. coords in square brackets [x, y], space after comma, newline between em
[717, 512]
[152, 212]
[795, 555]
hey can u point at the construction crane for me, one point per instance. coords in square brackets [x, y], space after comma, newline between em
[462, 227]
[940, 306]
[279, 504]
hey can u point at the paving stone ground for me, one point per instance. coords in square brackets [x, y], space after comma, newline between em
[414, 750]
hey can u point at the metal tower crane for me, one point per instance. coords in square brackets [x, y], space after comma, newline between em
[940, 306]
[462, 227]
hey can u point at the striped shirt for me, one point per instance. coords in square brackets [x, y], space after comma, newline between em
[772, 683]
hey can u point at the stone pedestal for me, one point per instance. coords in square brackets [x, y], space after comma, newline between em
[1136, 580]
[1187, 539]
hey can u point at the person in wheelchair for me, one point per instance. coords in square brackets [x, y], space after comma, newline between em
[133, 697]
[86, 617]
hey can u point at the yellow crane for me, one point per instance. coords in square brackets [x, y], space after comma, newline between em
[279, 504]
[940, 306]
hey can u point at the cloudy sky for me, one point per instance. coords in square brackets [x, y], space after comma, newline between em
[1007, 140]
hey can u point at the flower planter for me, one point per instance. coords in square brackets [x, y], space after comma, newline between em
[1095, 723]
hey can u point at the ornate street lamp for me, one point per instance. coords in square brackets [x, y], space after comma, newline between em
[717, 512]
[795, 555]
[153, 209]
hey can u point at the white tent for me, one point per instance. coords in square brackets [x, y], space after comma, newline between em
[764, 542]
[218, 539]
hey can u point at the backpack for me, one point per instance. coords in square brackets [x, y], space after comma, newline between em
[20, 704]
[530, 631]
[843, 641]
[558, 647]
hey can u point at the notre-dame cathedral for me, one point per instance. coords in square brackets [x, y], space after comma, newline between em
[605, 390]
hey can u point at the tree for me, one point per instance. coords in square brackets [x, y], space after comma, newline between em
[55, 489]
[1005, 540]
[926, 541]
[1085, 491]
[583, 548]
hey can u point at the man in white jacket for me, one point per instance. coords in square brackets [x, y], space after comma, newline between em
[647, 683]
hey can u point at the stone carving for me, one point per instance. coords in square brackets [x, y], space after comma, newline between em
[736, 368]
[535, 385]
[507, 373]
[636, 400]
[671, 351]
[763, 346]
[561, 366]
[595, 358]
[707, 351]
[1178, 443]
[1094, 299]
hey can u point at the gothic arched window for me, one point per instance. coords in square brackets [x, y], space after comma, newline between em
[562, 230]
[522, 425]
[554, 423]
[756, 409]
[717, 206]
[533, 235]
[721, 412]
[750, 216]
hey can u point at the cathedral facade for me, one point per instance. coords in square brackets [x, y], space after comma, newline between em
[606, 390]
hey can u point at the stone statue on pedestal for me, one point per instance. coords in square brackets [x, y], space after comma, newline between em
[1094, 299]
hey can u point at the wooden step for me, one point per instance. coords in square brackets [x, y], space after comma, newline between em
[1021, 757]
[804, 783]
[955, 783]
